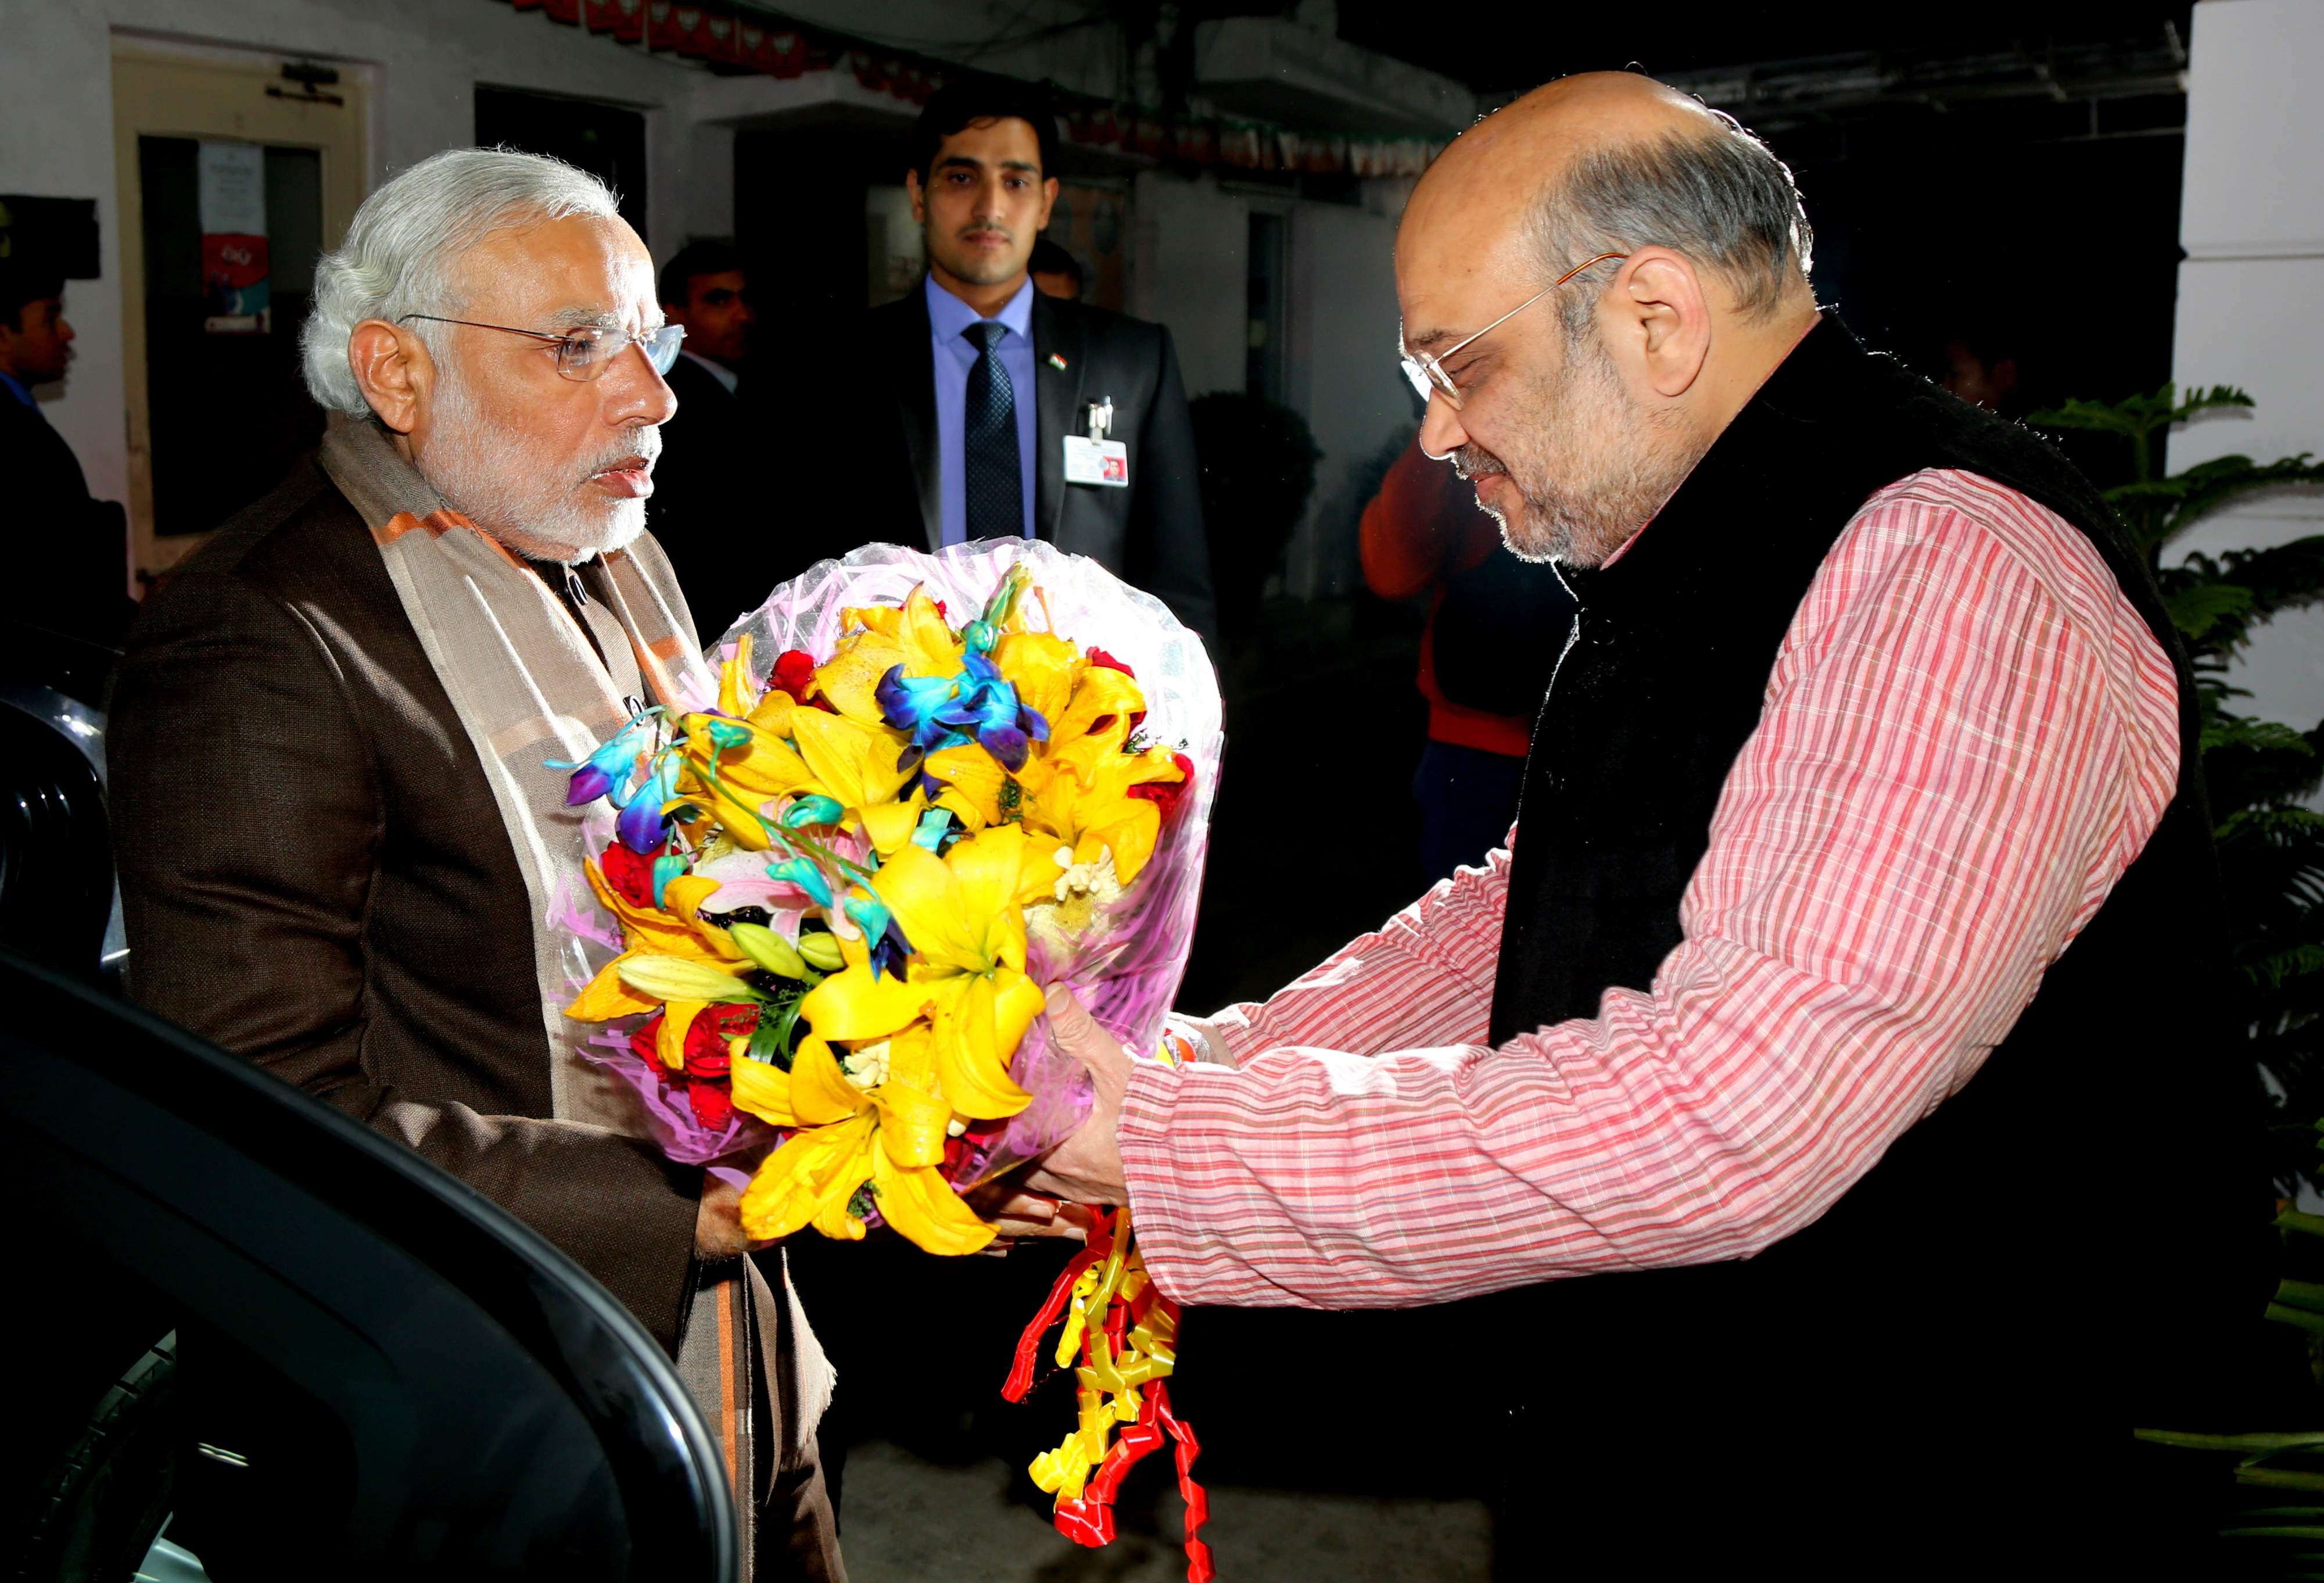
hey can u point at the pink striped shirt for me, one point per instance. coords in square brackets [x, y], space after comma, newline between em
[1967, 736]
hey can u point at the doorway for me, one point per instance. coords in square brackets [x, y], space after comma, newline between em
[234, 177]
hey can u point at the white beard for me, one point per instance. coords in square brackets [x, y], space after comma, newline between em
[491, 477]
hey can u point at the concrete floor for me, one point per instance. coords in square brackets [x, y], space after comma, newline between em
[912, 1520]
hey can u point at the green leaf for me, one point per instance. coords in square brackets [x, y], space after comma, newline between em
[2299, 1316]
[2196, 610]
[2280, 1478]
[2294, 1220]
[2305, 1294]
[2251, 1442]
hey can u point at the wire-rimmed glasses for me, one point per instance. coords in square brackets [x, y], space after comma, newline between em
[584, 353]
[1427, 369]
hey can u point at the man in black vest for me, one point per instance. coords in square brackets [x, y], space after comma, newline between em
[971, 398]
[1770, 1028]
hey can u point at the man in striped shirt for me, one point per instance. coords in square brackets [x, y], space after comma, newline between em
[1766, 1022]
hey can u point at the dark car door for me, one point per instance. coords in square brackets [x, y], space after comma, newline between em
[308, 1351]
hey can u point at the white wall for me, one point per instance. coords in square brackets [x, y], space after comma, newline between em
[2251, 297]
[1189, 269]
[422, 58]
[1343, 378]
[1188, 272]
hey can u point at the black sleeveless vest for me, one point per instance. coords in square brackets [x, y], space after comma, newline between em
[1926, 1334]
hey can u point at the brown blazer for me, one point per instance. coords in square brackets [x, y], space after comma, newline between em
[315, 875]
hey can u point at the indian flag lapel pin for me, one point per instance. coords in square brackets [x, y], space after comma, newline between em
[1057, 363]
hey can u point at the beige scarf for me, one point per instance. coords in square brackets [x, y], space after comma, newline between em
[530, 686]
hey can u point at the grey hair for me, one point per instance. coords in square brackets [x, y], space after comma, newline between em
[1720, 197]
[401, 255]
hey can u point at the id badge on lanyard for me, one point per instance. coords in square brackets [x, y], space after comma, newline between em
[1092, 458]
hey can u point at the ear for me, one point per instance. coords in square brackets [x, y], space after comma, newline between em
[393, 371]
[1666, 316]
[1048, 202]
[919, 198]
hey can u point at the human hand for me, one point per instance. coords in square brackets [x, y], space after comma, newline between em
[718, 1222]
[1086, 1167]
[1017, 1215]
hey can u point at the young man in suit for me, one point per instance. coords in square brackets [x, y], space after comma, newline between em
[980, 389]
[712, 509]
[73, 548]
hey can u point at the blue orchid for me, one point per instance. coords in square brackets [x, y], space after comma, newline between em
[803, 872]
[666, 867]
[603, 771]
[888, 948]
[929, 834]
[642, 826]
[987, 707]
[812, 809]
[910, 704]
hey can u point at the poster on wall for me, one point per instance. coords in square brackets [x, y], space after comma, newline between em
[233, 187]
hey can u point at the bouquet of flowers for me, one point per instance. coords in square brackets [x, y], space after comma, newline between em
[925, 793]
[832, 901]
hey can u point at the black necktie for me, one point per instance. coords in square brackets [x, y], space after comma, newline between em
[996, 490]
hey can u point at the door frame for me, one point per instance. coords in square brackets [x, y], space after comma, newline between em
[161, 92]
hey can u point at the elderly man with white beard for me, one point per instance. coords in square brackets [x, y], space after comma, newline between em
[330, 746]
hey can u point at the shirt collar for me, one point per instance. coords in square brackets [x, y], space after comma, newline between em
[18, 390]
[716, 370]
[948, 316]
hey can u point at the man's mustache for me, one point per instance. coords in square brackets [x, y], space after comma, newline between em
[986, 228]
[1473, 461]
[645, 445]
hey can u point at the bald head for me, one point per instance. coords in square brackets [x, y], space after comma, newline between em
[1606, 161]
[1520, 152]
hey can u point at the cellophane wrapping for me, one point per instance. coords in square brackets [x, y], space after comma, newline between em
[1127, 966]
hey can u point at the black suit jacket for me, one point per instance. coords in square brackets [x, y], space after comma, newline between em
[72, 549]
[1149, 534]
[715, 509]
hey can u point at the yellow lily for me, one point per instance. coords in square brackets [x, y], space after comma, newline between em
[913, 635]
[650, 931]
[811, 1178]
[963, 914]
[1095, 724]
[1095, 809]
[975, 785]
[1043, 668]
[854, 763]
[735, 680]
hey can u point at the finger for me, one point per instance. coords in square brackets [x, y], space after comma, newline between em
[1073, 1027]
[1076, 1029]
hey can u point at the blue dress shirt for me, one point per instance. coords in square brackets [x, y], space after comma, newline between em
[955, 355]
[25, 397]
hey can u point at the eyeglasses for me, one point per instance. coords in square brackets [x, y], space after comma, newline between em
[1426, 370]
[586, 353]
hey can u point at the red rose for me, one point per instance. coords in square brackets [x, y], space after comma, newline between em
[795, 672]
[630, 875]
[1099, 657]
[642, 1042]
[971, 1147]
[706, 1040]
[1164, 794]
[713, 1107]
